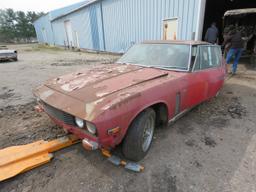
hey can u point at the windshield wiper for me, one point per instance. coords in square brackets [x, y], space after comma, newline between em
[168, 67]
[124, 63]
[133, 63]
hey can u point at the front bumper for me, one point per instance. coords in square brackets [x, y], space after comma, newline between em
[90, 145]
[4, 57]
[90, 142]
[7, 58]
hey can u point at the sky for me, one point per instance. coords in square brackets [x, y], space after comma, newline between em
[35, 5]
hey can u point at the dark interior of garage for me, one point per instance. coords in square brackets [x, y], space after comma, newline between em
[215, 10]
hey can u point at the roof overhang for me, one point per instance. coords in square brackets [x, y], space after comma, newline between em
[185, 42]
[76, 9]
[240, 12]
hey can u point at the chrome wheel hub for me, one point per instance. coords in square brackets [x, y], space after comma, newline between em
[148, 133]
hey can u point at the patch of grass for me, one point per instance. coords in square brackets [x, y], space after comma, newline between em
[54, 48]
[42, 47]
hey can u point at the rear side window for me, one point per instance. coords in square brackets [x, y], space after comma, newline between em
[216, 56]
[208, 57]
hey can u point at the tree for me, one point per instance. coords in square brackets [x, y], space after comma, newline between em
[17, 25]
[31, 17]
[7, 24]
[22, 25]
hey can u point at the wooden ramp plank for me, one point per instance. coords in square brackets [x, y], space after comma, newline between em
[18, 159]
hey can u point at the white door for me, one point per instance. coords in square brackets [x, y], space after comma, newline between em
[170, 29]
[44, 35]
[69, 33]
[77, 40]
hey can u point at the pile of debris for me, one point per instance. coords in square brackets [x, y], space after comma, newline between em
[248, 34]
[244, 21]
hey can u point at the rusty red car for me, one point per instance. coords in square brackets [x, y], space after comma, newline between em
[152, 84]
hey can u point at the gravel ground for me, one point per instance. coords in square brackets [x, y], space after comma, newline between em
[212, 148]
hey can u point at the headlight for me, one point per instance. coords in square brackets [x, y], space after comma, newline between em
[79, 122]
[91, 128]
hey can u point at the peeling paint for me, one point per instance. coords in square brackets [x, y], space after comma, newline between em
[122, 68]
[89, 108]
[46, 94]
[123, 98]
[73, 85]
[98, 101]
[101, 94]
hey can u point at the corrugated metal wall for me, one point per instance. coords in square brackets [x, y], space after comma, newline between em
[131, 21]
[41, 25]
[86, 25]
[80, 22]
[125, 22]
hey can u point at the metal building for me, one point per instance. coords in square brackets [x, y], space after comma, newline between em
[114, 25]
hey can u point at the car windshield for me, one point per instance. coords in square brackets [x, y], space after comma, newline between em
[167, 56]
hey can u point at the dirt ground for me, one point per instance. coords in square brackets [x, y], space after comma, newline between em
[212, 148]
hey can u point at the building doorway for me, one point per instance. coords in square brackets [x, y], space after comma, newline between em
[69, 33]
[215, 9]
[44, 35]
[170, 29]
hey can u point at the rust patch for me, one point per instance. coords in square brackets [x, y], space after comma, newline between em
[90, 109]
[46, 94]
[73, 85]
[145, 76]
[84, 78]
[123, 100]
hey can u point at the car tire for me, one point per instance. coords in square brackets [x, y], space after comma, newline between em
[139, 136]
[16, 59]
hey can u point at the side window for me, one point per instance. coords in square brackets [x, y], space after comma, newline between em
[205, 57]
[208, 57]
[216, 56]
[194, 57]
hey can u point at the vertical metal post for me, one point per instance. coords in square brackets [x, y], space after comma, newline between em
[102, 25]
[53, 36]
[200, 19]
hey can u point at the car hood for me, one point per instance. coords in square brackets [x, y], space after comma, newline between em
[100, 82]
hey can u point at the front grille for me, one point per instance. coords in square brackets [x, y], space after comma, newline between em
[59, 115]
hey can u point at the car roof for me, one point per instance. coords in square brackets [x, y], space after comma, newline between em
[240, 12]
[176, 42]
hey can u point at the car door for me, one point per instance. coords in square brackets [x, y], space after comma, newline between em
[211, 68]
[195, 87]
[217, 73]
[206, 77]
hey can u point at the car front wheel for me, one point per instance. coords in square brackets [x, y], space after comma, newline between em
[139, 136]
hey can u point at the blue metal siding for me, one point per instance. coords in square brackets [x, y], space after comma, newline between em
[58, 12]
[87, 23]
[124, 23]
[80, 22]
[94, 27]
[44, 23]
[132, 21]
